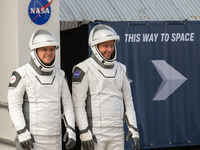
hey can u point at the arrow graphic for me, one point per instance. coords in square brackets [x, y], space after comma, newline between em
[172, 79]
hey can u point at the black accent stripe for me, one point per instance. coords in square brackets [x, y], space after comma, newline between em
[130, 125]
[45, 83]
[108, 76]
[71, 128]
[134, 128]
[67, 126]
[127, 121]
[26, 110]
[84, 131]
[21, 131]
[88, 108]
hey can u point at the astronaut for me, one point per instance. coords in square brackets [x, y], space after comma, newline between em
[102, 96]
[38, 96]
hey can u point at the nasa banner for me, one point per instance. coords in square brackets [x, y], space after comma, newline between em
[163, 63]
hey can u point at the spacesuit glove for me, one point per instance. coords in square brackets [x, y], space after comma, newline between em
[87, 140]
[26, 140]
[70, 138]
[135, 137]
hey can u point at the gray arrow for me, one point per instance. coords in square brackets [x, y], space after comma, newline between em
[172, 79]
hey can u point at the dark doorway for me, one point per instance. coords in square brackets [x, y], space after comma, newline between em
[74, 49]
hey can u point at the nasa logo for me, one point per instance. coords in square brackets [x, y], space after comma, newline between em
[76, 74]
[39, 11]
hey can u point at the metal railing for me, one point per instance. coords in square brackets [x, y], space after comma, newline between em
[7, 142]
[3, 105]
[2, 140]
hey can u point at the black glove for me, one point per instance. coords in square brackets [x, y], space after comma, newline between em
[135, 140]
[28, 144]
[89, 144]
[26, 139]
[70, 142]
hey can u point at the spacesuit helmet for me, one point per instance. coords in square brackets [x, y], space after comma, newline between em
[99, 34]
[42, 38]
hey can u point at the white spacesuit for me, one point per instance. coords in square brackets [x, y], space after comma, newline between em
[101, 95]
[36, 95]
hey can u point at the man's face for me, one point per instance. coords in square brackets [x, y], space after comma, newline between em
[46, 54]
[107, 48]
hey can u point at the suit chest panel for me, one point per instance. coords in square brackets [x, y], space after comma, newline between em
[43, 88]
[105, 80]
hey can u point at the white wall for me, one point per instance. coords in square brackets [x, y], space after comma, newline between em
[8, 61]
[15, 31]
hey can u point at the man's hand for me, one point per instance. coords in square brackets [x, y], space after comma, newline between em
[135, 137]
[27, 145]
[70, 142]
[26, 140]
[87, 140]
[70, 135]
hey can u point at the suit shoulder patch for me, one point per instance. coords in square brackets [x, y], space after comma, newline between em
[14, 80]
[78, 74]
